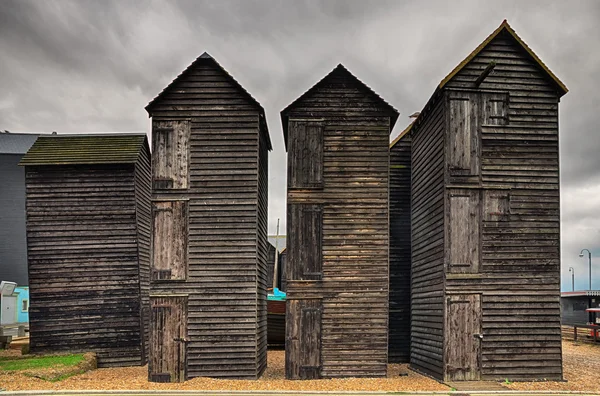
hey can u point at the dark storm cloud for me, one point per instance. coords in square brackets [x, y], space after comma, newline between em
[84, 66]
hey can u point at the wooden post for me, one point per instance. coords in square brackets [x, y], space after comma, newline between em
[575, 334]
[485, 73]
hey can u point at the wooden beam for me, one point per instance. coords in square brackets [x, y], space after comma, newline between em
[485, 73]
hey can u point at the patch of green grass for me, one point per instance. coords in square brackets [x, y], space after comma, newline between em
[8, 364]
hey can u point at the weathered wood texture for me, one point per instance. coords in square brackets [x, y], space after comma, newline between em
[427, 241]
[400, 256]
[88, 252]
[501, 194]
[281, 277]
[226, 199]
[168, 335]
[337, 230]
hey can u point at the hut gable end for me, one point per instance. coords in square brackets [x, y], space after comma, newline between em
[206, 92]
[338, 95]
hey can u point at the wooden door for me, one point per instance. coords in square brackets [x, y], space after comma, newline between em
[303, 339]
[463, 142]
[169, 240]
[168, 339]
[170, 154]
[464, 231]
[462, 347]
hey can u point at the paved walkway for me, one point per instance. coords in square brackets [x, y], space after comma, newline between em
[286, 393]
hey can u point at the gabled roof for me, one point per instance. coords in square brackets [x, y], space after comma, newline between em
[504, 26]
[402, 134]
[206, 58]
[85, 149]
[16, 143]
[338, 69]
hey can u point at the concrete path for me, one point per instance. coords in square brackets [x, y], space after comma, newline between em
[286, 393]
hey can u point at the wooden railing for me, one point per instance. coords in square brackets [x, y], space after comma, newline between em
[581, 333]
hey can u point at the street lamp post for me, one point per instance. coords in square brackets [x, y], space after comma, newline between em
[590, 263]
[572, 271]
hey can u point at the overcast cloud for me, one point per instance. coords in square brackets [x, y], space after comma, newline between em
[92, 66]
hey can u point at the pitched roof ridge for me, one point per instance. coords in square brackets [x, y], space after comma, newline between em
[403, 133]
[340, 66]
[204, 57]
[503, 26]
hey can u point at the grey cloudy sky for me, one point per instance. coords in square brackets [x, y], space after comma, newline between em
[92, 66]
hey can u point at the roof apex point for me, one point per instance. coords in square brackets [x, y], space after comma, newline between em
[205, 55]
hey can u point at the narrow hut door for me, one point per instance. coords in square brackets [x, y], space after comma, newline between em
[463, 338]
[464, 231]
[303, 343]
[168, 336]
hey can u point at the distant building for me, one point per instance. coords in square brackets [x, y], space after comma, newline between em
[13, 243]
[574, 304]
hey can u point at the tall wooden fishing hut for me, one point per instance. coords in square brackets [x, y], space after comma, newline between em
[337, 139]
[399, 321]
[485, 219]
[209, 207]
[88, 245]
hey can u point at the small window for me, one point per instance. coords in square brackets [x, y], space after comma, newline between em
[25, 306]
[496, 205]
[495, 109]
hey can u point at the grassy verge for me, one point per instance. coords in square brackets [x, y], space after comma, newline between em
[41, 362]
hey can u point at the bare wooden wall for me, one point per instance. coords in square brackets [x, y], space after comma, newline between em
[400, 256]
[225, 190]
[337, 230]
[427, 228]
[88, 253]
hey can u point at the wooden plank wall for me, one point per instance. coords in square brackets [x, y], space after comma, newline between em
[263, 282]
[354, 201]
[520, 257]
[227, 217]
[143, 196]
[84, 273]
[427, 228]
[400, 256]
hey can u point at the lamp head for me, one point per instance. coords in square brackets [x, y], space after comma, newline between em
[580, 254]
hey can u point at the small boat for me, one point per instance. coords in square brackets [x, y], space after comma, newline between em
[276, 318]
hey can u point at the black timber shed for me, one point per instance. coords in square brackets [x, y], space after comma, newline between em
[400, 258]
[486, 219]
[210, 248]
[337, 139]
[88, 245]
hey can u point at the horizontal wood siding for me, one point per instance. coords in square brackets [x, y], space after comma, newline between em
[224, 282]
[263, 282]
[143, 195]
[520, 257]
[354, 201]
[84, 273]
[427, 228]
[399, 322]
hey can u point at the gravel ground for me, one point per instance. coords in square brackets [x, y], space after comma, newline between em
[581, 365]
[272, 379]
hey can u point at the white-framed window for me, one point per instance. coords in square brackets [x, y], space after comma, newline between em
[25, 305]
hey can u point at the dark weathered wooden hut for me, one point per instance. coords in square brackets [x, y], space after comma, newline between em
[485, 219]
[399, 321]
[209, 268]
[337, 138]
[88, 245]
